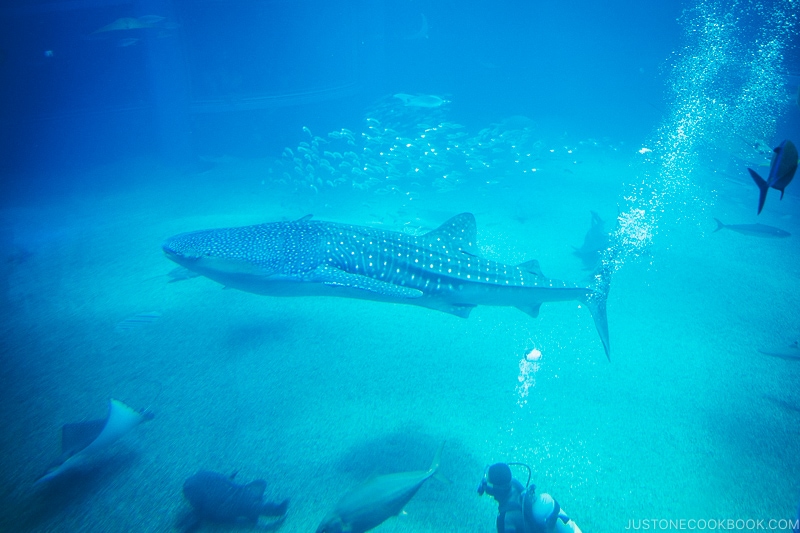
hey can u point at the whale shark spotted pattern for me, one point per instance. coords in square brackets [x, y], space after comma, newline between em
[440, 270]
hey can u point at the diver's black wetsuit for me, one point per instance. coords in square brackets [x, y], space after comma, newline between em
[509, 517]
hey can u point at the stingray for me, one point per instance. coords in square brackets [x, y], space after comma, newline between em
[82, 440]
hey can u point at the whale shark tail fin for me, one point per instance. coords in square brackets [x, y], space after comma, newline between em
[763, 187]
[596, 298]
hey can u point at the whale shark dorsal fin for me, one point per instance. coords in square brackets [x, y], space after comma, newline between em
[531, 267]
[304, 218]
[459, 232]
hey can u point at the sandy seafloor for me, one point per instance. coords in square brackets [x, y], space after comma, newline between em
[316, 395]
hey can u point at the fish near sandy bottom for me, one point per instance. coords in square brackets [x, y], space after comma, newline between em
[216, 498]
[754, 230]
[790, 352]
[382, 497]
[439, 270]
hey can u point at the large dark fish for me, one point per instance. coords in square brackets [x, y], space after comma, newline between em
[781, 172]
[755, 230]
[790, 352]
[216, 498]
[439, 270]
[382, 497]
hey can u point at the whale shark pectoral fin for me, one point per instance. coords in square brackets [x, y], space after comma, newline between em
[532, 310]
[333, 277]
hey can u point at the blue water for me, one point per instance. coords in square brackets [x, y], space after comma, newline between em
[127, 122]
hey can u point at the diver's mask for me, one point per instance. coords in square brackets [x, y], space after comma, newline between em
[497, 478]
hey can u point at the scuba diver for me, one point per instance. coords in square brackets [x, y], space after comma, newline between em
[520, 509]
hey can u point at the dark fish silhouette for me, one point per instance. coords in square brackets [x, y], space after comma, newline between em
[781, 172]
[216, 498]
[755, 230]
[439, 270]
[594, 243]
[789, 352]
[380, 498]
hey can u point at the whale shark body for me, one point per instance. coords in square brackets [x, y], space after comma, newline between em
[439, 270]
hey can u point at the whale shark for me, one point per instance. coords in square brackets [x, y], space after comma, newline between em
[440, 270]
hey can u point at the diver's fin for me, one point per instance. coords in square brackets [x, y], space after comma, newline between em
[762, 188]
